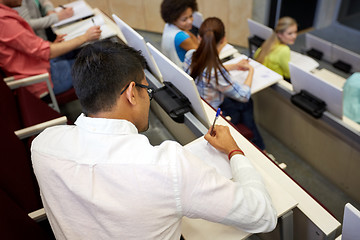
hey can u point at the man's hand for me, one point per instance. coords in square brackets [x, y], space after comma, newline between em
[93, 33]
[221, 139]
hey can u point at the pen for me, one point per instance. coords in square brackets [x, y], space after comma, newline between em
[93, 21]
[216, 117]
[62, 6]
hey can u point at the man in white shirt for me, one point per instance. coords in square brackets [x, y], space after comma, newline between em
[101, 179]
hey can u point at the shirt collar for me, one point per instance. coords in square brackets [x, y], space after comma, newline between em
[105, 125]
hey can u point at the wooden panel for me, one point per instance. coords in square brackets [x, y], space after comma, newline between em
[132, 12]
[102, 5]
[312, 139]
[59, 2]
[238, 12]
[153, 20]
[145, 15]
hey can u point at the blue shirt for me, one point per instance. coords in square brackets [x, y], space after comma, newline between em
[179, 38]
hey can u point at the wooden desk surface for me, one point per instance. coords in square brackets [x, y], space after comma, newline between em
[282, 200]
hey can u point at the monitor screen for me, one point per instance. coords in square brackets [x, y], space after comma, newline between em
[182, 81]
[351, 223]
[312, 42]
[258, 29]
[331, 94]
[346, 56]
[136, 41]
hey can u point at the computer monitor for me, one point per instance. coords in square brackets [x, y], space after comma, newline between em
[331, 94]
[258, 29]
[321, 45]
[182, 81]
[136, 41]
[351, 223]
[347, 56]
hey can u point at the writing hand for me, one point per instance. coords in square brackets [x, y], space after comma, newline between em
[65, 13]
[221, 139]
[93, 33]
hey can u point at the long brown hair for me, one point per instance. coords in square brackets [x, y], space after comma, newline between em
[283, 24]
[211, 31]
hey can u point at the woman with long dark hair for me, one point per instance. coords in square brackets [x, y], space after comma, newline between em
[214, 82]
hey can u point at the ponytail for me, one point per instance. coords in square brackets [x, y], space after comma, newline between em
[206, 57]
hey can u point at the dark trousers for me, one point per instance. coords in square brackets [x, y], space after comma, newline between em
[243, 112]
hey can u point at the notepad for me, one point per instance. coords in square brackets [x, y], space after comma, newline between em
[79, 28]
[81, 11]
[263, 76]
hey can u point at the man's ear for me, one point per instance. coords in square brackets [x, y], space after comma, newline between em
[131, 94]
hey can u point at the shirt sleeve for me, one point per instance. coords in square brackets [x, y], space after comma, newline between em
[180, 37]
[43, 22]
[231, 89]
[284, 59]
[47, 5]
[23, 40]
[32, 15]
[243, 202]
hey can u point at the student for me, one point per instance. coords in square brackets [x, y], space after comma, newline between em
[23, 54]
[101, 179]
[177, 38]
[214, 82]
[40, 14]
[274, 53]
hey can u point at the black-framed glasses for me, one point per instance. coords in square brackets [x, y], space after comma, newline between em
[149, 90]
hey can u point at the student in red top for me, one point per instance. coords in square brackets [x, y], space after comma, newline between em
[24, 54]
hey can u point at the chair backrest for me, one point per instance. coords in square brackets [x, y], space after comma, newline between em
[198, 19]
[9, 108]
[16, 224]
[32, 109]
[17, 178]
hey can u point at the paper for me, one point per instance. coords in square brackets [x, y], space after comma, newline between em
[302, 61]
[81, 10]
[227, 51]
[263, 76]
[79, 28]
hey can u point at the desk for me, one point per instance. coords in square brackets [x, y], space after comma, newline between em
[109, 28]
[263, 76]
[282, 200]
[309, 216]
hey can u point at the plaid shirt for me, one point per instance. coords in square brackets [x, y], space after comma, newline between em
[214, 93]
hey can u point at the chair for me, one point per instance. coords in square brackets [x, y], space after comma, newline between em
[22, 215]
[14, 84]
[20, 109]
[55, 100]
[198, 19]
[16, 224]
[245, 131]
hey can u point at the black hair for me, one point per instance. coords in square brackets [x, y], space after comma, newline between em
[171, 10]
[101, 70]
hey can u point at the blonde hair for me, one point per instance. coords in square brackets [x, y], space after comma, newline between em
[283, 24]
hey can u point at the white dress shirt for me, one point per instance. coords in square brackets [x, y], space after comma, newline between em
[101, 179]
